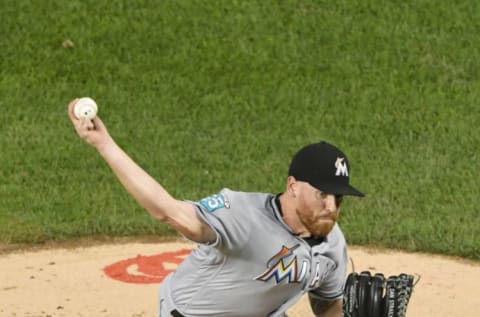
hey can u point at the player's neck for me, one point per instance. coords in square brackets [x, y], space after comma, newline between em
[289, 215]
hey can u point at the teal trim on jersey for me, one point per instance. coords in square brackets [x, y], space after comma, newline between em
[214, 202]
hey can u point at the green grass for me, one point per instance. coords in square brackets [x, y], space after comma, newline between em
[212, 94]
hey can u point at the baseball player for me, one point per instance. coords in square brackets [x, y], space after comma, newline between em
[257, 253]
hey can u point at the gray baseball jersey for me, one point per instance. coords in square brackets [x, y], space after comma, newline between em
[256, 267]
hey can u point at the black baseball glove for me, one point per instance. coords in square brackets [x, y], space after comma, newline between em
[368, 295]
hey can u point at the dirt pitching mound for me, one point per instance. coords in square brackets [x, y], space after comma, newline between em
[76, 281]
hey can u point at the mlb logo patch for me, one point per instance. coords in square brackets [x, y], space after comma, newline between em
[214, 202]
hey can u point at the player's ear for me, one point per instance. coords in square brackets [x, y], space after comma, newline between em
[292, 186]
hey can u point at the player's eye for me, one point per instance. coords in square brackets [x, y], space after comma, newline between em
[321, 194]
[338, 198]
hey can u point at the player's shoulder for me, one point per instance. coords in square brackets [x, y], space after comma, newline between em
[336, 237]
[233, 200]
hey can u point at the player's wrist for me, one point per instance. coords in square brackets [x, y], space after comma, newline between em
[106, 147]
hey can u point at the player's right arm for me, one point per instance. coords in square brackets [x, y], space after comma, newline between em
[145, 189]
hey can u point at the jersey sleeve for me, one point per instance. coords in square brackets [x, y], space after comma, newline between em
[226, 215]
[333, 284]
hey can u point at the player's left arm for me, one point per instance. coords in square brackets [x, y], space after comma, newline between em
[324, 308]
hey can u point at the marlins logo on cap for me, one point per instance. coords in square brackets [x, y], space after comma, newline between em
[342, 169]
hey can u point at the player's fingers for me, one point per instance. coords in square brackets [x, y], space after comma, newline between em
[86, 124]
[81, 127]
[90, 125]
[71, 113]
[98, 123]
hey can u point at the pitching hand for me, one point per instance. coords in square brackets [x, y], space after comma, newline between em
[92, 131]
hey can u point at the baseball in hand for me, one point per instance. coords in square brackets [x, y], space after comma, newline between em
[85, 108]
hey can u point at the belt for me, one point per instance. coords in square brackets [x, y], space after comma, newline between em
[176, 313]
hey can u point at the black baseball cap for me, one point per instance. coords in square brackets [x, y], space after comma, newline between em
[325, 167]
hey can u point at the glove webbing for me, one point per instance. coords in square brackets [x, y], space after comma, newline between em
[404, 289]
